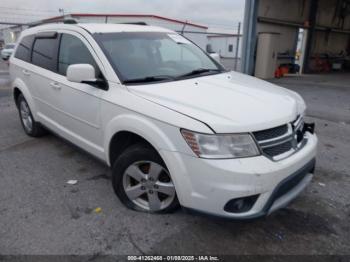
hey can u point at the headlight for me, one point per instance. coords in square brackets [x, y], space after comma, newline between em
[221, 146]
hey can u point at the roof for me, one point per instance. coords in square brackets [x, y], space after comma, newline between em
[96, 28]
[128, 15]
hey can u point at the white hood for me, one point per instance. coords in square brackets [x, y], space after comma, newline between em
[228, 103]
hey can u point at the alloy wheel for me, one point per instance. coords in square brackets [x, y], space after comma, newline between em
[26, 116]
[148, 185]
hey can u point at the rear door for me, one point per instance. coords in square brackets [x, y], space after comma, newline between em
[45, 93]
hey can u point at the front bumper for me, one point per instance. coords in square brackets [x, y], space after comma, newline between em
[207, 185]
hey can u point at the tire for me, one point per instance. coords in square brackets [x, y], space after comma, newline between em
[30, 126]
[142, 181]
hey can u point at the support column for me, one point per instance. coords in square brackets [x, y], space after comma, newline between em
[249, 36]
[311, 34]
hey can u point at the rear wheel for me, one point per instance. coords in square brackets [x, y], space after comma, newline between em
[142, 181]
[30, 126]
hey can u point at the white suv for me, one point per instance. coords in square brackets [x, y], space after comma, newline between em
[174, 125]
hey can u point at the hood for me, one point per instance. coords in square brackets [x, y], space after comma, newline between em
[228, 103]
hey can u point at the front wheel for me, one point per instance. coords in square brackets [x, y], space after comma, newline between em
[142, 181]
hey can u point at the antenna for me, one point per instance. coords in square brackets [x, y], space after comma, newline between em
[61, 11]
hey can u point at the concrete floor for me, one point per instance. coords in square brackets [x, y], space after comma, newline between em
[41, 214]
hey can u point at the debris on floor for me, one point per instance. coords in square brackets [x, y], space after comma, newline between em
[98, 210]
[322, 184]
[72, 182]
[279, 236]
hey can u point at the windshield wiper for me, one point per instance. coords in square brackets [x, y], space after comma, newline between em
[199, 71]
[148, 79]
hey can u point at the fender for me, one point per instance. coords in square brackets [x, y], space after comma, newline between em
[18, 83]
[141, 126]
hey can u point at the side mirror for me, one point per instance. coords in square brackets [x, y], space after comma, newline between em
[85, 73]
[215, 56]
[81, 72]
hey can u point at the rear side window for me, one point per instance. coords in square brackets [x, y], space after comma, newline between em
[73, 51]
[24, 48]
[45, 53]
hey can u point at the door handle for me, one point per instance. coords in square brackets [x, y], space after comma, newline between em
[55, 85]
[26, 72]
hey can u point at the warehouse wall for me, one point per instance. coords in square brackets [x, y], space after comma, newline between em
[287, 16]
[330, 42]
[288, 10]
[325, 15]
[284, 10]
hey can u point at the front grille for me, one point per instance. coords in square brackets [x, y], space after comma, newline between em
[278, 149]
[281, 139]
[271, 133]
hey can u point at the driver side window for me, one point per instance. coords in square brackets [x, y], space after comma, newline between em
[73, 51]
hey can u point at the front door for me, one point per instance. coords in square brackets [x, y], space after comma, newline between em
[79, 103]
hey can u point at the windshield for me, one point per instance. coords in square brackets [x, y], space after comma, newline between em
[9, 46]
[139, 57]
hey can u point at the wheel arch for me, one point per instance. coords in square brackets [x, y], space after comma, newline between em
[19, 87]
[16, 93]
[121, 141]
[126, 130]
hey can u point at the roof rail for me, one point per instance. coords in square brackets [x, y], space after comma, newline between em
[35, 24]
[64, 21]
[70, 21]
[134, 23]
